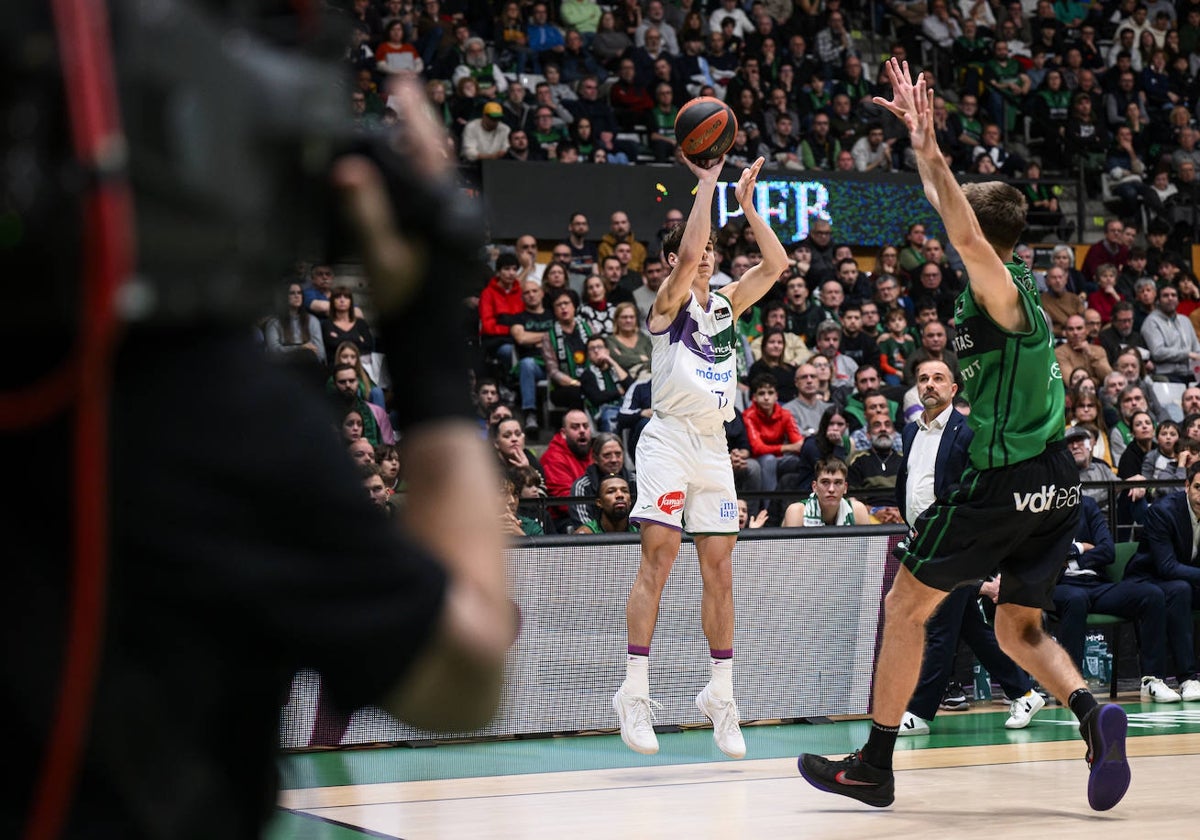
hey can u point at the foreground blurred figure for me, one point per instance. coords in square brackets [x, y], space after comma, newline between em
[173, 563]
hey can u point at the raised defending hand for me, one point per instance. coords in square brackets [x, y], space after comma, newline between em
[903, 100]
[745, 185]
[912, 102]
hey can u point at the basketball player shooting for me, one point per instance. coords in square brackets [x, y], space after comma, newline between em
[685, 480]
[989, 523]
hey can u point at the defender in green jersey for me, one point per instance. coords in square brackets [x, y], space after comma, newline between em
[1016, 508]
[1011, 379]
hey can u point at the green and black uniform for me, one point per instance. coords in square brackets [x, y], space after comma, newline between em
[1017, 505]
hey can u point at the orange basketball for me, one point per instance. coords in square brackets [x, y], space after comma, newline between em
[704, 128]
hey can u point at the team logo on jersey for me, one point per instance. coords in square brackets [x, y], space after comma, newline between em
[714, 350]
[1024, 279]
[671, 502]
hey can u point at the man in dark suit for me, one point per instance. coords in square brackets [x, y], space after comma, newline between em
[935, 456]
[1085, 588]
[1166, 557]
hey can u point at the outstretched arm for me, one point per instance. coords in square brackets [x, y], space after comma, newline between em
[991, 284]
[674, 291]
[755, 283]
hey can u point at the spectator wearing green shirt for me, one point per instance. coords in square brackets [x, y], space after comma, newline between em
[662, 124]
[581, 15]
[613, 503]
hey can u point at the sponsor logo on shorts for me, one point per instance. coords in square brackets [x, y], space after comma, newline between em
[671, 502]
[728, 509]
[1047, 499]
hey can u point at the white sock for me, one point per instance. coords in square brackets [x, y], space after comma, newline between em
[721, 683]
[637, 675]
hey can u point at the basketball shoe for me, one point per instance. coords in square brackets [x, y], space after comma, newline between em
[637, 722]
[1103, 729]
[850, 777]
[724, 716]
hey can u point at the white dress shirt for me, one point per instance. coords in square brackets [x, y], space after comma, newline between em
[920, 490]
[1195, 532]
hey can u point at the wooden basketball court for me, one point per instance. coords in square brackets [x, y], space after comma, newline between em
[969, 777]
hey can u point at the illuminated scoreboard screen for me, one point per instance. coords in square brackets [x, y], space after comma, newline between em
[539, 199]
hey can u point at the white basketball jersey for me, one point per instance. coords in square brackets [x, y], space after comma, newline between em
[694, 373]
[812, 513]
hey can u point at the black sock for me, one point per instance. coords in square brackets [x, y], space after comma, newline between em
[1081, 702]
[881, 743]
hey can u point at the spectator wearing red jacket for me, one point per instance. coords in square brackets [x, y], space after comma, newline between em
[775, 439]
[500, 301]
[567, 457]
[631, 101]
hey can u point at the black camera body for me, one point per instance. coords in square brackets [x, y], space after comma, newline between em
[231, 120]
[231, 135]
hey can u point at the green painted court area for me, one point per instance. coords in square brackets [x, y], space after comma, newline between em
[599, 752]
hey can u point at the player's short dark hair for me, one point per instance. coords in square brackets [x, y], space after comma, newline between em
[830, 465]
[673, 237]
[1000, 209]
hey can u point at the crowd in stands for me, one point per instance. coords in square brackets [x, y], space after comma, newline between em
[827, 360]
[1106, 88]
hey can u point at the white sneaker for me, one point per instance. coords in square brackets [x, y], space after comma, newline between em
[1190, 689]
[910, 724]
[724, 716]
[1154, 689]
[637, 722]
[1023, 709]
